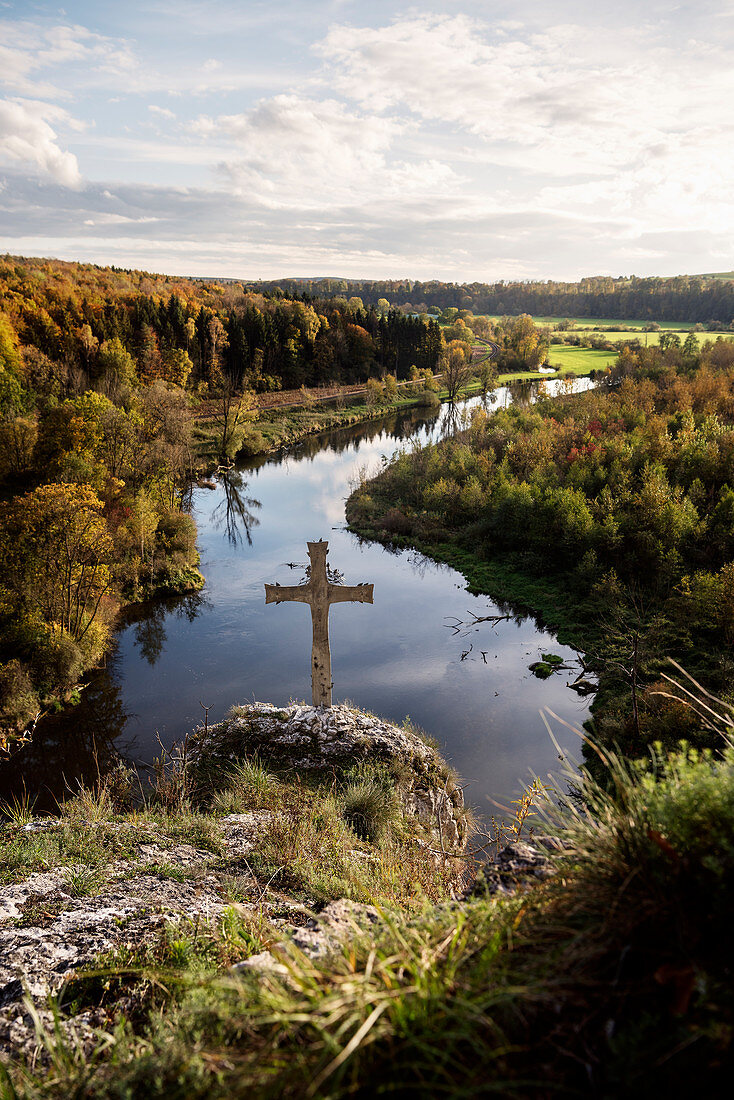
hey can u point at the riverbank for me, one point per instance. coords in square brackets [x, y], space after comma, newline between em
[247, 939]
[551, 600]
[273, 428]
[555, 602]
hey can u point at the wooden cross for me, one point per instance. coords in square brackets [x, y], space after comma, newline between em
[320, 593]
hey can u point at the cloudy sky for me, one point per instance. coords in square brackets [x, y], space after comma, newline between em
[455, 140]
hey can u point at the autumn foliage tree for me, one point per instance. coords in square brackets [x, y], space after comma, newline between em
[523, 345]
[455, 369]
[56, 550]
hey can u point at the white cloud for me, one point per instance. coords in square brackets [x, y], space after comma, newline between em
[118, 219]
[26, 136]
[161, 112]
[589, 96]
[635, 123]
[29, 49]
[301, 153]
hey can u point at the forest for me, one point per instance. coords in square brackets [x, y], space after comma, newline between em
[82, 320]
[612, 512]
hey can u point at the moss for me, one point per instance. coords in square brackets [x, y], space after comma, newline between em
[552, 658]
[541, 670]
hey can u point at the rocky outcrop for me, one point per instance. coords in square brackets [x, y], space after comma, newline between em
[329, 742]
[516, 867]
[54, 922]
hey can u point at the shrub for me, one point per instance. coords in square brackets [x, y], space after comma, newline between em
[308, 397]
[177, 536]
[428, 399]
[253, 442]
[374, 392]
[19, 701]
[395, 522]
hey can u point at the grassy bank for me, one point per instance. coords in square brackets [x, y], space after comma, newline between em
[274, 429]
[503, 578]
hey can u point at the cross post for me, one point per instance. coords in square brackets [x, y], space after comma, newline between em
[319, 593]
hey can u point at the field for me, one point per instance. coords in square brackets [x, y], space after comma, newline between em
[579, 360]
[649, 338]
[595, 323]
[603, 322]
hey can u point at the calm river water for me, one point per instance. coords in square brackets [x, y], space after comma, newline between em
[397, 657]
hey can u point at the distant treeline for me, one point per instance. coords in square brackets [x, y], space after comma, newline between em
[695, 298]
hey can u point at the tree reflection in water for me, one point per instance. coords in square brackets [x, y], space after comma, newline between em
[525, 393]
[150, 634]
[233, 513]
[76, 746]
[83, 742]
[149, 621]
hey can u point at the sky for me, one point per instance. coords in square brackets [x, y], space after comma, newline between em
[457, 140]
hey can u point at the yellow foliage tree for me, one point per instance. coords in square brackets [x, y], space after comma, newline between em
[56, 549]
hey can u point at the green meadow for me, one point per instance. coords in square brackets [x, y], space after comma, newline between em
[579, 360]
[648, 338]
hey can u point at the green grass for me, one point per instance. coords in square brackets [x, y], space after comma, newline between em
[650, 339]
[725, 276]
[579, 361]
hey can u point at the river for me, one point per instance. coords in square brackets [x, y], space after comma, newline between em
[403, 656]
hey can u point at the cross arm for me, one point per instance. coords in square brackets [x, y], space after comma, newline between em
[284, 593]
[356, 593]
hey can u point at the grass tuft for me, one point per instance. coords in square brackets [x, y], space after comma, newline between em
[18, 810]
[80, 880]
[370, 808]
[248, 786]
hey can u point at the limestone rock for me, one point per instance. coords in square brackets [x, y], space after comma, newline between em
[328, 741]
[46, 933]
[336, 924]
[516, 867]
